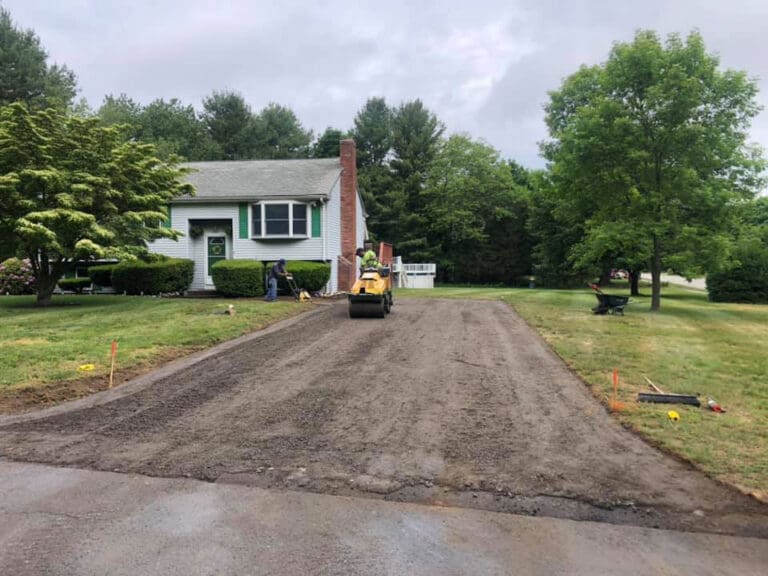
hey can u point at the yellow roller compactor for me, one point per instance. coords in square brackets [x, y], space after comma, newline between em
[371, 296]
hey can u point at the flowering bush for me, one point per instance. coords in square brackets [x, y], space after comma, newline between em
[16, 277]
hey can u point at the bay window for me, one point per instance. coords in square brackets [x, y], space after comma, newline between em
[279, 220]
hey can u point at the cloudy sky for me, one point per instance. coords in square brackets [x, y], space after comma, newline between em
[484, 67]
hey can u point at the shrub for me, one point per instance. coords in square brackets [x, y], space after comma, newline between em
[161, 277]
[101, 275]
[74, 284]
[16, 277]
[311, 276]
[238, 277]
[745, 279]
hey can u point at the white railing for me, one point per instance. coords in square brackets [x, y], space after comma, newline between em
[420, 269]
[413, 275]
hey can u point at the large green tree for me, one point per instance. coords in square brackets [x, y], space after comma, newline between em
[653, 141]
[372, 132]
[416, 133]
[231, 124]
[280, 135]
[384, 203]
[172, 126]
[176, 130]
[71, 189]
[121, 109]
[475, 215]
[328, 144]
[25, 75]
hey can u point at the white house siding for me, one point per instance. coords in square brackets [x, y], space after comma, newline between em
[333, 224]
[360, 231]
[245, 248]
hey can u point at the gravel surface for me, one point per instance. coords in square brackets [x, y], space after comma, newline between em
[443, 402]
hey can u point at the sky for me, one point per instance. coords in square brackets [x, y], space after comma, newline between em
[483, 67]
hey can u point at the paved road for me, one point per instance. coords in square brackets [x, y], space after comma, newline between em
[56, 521]
[694, 284]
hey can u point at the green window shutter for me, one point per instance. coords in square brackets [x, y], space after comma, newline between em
[167, 222]
[243, 219]
[316, 215]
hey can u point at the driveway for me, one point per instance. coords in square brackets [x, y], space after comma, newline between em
[455, 403]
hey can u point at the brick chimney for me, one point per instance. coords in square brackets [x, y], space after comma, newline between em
[347, 263]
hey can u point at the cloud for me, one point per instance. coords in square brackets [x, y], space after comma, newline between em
[483, 67]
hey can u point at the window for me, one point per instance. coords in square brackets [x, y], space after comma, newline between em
[299, 219]
[279, 220]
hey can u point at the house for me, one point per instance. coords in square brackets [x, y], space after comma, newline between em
[269, 209]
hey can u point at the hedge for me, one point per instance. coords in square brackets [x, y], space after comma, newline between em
[162, 277]
[745, 280]
[102, 274]
[311, 276]
[74, 284]
[238, 277]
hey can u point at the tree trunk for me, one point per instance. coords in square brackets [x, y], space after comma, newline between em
[656, 275]
[634, 282]
[45, 291]
[48, 277]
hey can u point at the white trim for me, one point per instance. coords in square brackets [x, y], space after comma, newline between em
[263, 222]
[227, 252]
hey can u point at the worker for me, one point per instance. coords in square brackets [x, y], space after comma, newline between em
[367, 259]
[277, 271]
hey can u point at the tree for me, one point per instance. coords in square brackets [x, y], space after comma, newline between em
[384, 202]
[476, 215]
[176, 130]
[280, 134]
[73, 189]
[654, 140]
[121, 110]
[327, 145]
[372, 132]
[416, 133]
[231, 125]
[25, 75]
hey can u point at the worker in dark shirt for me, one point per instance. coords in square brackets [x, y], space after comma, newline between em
[277, 271]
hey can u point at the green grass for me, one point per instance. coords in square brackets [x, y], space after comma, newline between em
[690, 346]
[45, 345]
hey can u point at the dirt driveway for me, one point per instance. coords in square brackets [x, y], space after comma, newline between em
[444, 402]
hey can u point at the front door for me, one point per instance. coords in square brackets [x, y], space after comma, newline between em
[217, 250]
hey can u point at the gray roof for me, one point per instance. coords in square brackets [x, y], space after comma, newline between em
[256, 179]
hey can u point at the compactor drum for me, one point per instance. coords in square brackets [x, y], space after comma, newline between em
[371, 296]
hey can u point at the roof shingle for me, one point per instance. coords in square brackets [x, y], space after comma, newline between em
[254, 179]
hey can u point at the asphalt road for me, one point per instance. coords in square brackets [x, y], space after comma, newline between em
[58, 521]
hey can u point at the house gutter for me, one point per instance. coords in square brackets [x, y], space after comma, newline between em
[324, 208]
[218, 199]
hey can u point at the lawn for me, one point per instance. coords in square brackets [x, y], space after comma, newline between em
[691, 346]
[43, 347]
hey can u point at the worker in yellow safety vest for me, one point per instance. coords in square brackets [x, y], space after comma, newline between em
[367, 259]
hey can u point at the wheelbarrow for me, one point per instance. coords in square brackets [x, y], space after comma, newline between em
[608, 303]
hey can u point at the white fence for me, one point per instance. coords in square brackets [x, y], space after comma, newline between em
[413, 275]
